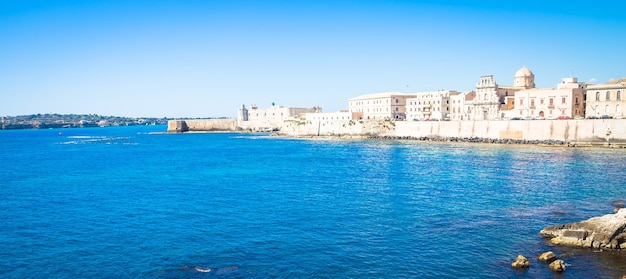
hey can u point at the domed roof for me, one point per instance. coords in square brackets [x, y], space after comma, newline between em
[524, 72]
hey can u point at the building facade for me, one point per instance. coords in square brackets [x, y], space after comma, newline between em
[388, 105]
[567, 100]
[433, 105]
[271, 118]
[607, 99]
[461, 106]
[491, 97]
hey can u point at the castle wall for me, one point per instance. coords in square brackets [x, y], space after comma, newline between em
[201, 125]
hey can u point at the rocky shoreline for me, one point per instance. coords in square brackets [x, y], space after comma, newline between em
[474, 140]
[605, 232]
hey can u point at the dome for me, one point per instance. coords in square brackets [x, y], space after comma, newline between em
[524, 78]
[524, 72]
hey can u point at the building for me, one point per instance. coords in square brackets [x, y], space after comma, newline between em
[387, 105]
[491, 97]
[607, 99]
[433, 105]
[329, 116]
[460, 105]
[566, 101]
[272, 118]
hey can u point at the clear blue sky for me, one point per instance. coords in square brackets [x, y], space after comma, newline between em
[206, 58]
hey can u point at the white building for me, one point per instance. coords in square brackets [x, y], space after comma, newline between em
[491, 97]
[537, 103]
[387, 105]
[272, 118]
[606, 99]
[461, 105]
[433, 105]
[340, 115]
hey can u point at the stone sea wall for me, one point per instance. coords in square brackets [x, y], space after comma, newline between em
[598, 131]
[201, 125]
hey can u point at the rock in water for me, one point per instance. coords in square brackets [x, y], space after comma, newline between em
[547, 257]
[521, 262]
[604, 232]
[557, 266]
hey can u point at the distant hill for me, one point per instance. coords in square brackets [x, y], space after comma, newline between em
[45, 121]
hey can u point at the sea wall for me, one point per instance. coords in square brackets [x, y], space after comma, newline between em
[201, 125]
[598, 131]
[576, 131]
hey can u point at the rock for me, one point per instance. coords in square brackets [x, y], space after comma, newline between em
[547, 257]
[521, 262]
[557, 266]
[604, 232]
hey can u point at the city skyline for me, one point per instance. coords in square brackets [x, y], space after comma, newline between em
[207, 58]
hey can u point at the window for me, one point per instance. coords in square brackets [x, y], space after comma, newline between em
[551, 103]
[597, 96]
[619, 95]
[532, 102]
[608, 95]
[521, 101]
[541, 102]
[563, 100]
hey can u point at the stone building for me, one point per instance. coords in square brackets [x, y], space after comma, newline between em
[272, 118]
[538, 103]
[491, 97]
[606, 99]
[433, 105]
[460, 105]
[387, 105]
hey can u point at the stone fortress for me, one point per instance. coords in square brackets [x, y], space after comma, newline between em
[573, 112]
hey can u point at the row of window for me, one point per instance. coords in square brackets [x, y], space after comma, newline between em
[608, 96]
[541, 101]
[607, 109]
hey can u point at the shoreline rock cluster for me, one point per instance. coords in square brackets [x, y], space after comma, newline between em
[549, 258]
[472, 140]
[604, 232]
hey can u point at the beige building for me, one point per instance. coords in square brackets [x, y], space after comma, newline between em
[321, 116]
[387, 105]
[491, 97]
[461, 105]
[271, 118]
[567, 100]
[433, 105]
[606, 99]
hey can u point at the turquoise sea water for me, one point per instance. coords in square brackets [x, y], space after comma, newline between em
[124, 203]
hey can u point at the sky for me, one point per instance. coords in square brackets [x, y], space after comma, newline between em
[207, 58]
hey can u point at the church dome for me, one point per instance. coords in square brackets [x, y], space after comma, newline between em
[524, 72]
[524, 78]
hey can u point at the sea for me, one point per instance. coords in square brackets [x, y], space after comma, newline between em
[135, 202]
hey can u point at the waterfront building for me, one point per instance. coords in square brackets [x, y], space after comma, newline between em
[460, 105]
[329, 116]
[433, 105]
[566, 101]
[272, 118]
[491, 97]
[607, 99]
[387, 105]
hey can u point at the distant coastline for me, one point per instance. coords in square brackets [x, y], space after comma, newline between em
[51, 121]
